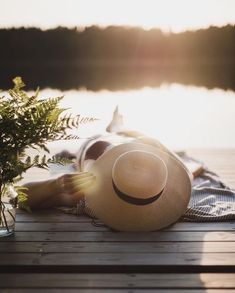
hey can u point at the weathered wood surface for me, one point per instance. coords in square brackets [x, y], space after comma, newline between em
[189, 257]
[113, 290]
[117, 262]
[220, 161]
[113, 247]
[120, 281]
[110, 236]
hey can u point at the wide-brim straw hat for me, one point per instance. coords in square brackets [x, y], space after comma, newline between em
[138, 187]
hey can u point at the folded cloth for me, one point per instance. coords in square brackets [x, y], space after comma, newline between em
[211, 199]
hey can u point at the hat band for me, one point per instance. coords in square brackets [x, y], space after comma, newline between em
[135, 200]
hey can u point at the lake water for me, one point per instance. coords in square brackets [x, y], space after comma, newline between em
[178, 115]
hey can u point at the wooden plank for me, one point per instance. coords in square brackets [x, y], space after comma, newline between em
[88, 226]
[25, 290]
[101, 236]
[119, 281]
[41, 211]
[114, 247]
[117, 260]
[59, 227]
[52, 217]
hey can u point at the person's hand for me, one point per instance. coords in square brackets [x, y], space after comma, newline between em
[72, 187]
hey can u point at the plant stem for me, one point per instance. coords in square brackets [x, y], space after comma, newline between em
[3, 215]
[12, 215]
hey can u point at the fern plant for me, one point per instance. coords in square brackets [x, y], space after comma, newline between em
[29, 122]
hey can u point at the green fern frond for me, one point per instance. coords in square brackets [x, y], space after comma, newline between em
[27, 122]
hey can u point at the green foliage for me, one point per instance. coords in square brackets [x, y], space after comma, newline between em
[29, 122]
[22, 198]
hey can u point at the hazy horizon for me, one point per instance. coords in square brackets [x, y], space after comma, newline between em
[83, 28]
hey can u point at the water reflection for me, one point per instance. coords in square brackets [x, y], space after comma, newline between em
[180, 116]
[120, 77]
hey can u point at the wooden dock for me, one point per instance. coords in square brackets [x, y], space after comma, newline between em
[56, 252]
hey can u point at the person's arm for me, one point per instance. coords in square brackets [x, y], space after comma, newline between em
[39, 192]
[65, 190]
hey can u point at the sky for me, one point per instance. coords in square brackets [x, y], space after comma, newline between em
[168, 15]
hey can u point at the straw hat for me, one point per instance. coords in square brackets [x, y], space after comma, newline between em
[138, 187]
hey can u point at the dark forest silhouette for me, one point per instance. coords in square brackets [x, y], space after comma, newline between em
[118, 57]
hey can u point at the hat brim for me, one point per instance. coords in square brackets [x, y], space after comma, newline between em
[120, 215]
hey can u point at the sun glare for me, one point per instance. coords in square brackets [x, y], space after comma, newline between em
[168, 15]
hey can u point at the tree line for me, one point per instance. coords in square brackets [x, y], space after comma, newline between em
[33, 45]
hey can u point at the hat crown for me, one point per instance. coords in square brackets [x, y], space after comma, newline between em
[139, 174]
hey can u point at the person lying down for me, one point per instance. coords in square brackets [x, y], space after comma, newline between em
[130, 181]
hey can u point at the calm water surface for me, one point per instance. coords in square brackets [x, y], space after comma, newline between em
[180, 116]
